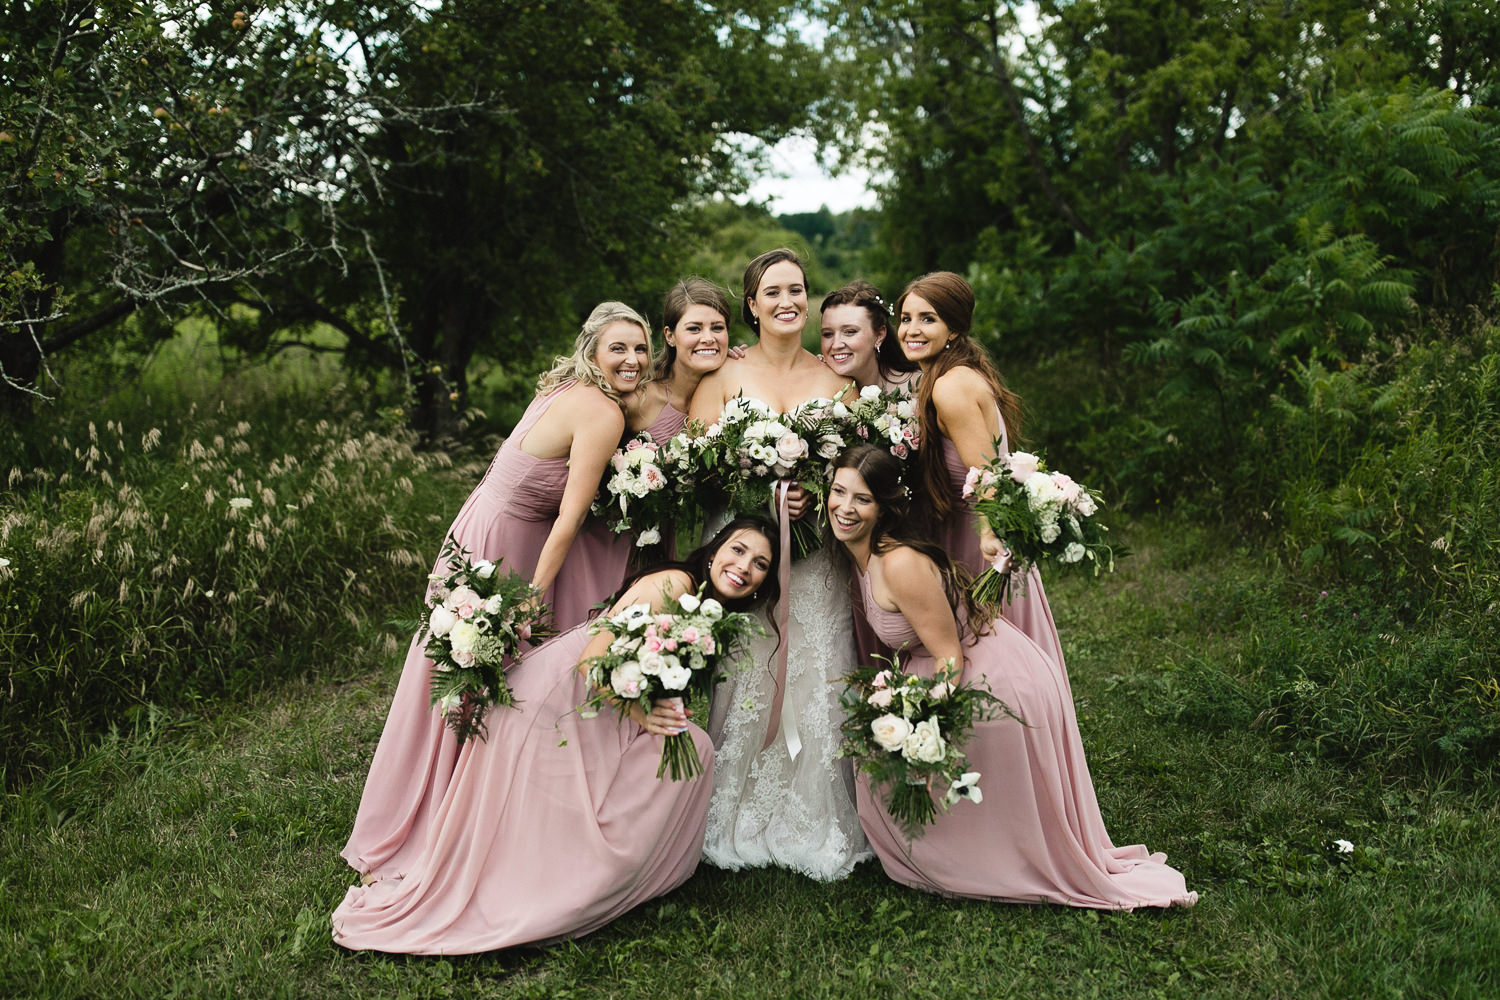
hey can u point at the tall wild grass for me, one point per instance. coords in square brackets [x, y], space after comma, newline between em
[166, 551]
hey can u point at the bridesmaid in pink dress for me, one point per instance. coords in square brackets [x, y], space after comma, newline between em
[525, 515]
[557, 824]
[857, 343]
[965, 408]
[1037, 835]
[696, 333]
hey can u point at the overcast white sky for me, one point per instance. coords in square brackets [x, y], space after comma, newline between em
[802, 186]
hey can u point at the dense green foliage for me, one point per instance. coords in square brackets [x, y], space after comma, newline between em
[1239, 258]
[431, 180]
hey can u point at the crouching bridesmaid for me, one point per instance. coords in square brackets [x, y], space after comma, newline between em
[555, 824]
[1037, 835]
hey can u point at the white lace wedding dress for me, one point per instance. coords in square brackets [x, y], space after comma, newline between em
[766, 808]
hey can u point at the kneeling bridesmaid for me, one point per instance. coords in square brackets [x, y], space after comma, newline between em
[1037, 835]
[555, 824]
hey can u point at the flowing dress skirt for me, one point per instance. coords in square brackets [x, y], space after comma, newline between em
[550, 828]
[1037, 836]
[506, 519]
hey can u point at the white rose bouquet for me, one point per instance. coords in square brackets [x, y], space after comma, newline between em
[637, 494]
[751, 447]
[1040, 516]
[477, 621]
[674, 653]
[885, 418]
[907, 733]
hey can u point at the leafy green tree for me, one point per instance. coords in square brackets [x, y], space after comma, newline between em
[431, 180]
[157, 155]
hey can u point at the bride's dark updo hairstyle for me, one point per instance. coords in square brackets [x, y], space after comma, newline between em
[952, 299]
[889, 357]
[756, 270]
[692, 291]
[881, 472]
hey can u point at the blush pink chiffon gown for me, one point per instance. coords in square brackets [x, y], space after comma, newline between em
[1037, 837]
[959, 537]
[506, 519]
[549, 829]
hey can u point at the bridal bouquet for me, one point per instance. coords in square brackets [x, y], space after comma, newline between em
[476, 622]
[683, 461]
[673, 653]
[886, 418]
[1039, 515]
[751, 447]
[907, 733]
[636, 485]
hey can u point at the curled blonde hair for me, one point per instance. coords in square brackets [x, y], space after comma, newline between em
[580, 365]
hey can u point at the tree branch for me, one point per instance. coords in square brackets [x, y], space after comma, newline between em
[1001, 72]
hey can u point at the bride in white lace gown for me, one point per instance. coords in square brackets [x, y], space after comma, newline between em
[781, 795]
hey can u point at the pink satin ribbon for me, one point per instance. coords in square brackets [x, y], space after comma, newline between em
[786, 727]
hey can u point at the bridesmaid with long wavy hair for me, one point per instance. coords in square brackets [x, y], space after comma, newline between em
[555, 823]
[967, 413]
[1036, 835]
[525, 514]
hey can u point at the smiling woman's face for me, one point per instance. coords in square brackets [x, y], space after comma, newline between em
[850, 343]
[780, 303]
[623, 355]
[741, 564]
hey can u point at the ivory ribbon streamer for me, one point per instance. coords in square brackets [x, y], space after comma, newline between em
[787, 725]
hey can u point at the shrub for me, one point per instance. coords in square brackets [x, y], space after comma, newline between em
[1350, 674]
[166, 560]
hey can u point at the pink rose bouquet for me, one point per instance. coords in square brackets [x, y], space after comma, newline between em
[1040, 516]
[477, 621]
[907, 733]
[674, 653]
[638, 494]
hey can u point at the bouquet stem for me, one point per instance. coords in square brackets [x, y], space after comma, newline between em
[992, 588]
[679, 758]
[912, 807]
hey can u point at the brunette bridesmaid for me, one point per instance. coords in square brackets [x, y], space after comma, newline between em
[858, 342]
[1036, 836]
[965, 410]
[556, 824]
[524, 514]
[696, 344]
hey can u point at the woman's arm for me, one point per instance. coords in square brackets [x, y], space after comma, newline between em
[915, 586]
[708, 398]
[967, 416]
[597, 424]
[655, 589]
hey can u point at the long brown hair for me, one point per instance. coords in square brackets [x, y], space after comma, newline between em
[952, 299]
[756, 270]
[881, 472]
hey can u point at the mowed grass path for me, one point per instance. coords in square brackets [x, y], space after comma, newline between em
[199, 857]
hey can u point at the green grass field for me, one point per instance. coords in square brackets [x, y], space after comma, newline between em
[197, 856]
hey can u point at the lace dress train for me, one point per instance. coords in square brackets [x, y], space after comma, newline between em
[768, 808]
